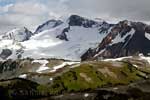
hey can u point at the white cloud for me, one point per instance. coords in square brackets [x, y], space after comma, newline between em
[6, 8]
[31, 13]
[28, 14]
[29, 8]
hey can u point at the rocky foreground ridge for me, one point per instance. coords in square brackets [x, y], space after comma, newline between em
[123, 79]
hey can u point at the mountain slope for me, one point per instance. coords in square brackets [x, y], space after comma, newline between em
[125, 39]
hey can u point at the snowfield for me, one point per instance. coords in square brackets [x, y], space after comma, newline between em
[46, 44]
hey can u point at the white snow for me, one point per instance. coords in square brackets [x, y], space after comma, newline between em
[117, 59]
[119, 39]
[100, 53]
[43, 66]
[23, 76]
[147, 35]
[50, 79]
[63, 65]
[136, 66]
[115, 88]
[141, 57]
[145, 58]
[86, 95]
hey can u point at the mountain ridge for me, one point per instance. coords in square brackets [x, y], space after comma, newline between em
[80, 38]
[125, 39]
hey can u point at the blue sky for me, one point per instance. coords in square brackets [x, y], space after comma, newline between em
[6, 2]
[31, 13]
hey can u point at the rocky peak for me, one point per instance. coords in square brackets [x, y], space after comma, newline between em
[48, 25]
[75, 20]
[18, 34]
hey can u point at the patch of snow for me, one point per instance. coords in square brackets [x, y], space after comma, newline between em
[100, 52]
[129, 23]
[117, 59]
[43, 66]
[86, 95]
[119, 39]
[147, 35]
[63, 65]
[145, 58]
[76, 65]
[24, 76]
[115, 88]
[135, 66]
[50, 79]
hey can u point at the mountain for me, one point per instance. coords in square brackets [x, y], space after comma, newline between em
[67, 39]
[39, 72]
[124, 39]
[77, 38]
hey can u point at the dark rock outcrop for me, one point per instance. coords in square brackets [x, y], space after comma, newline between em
[76, 20]
[63, 35]
[5, 53]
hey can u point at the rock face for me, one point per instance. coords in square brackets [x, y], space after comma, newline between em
[76, 20]
[5, 53]
[125, 39]
[18, 34]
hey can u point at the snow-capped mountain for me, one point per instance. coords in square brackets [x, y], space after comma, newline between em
[68, 40]
[125, 39]
[77, 38]
[18, 34]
